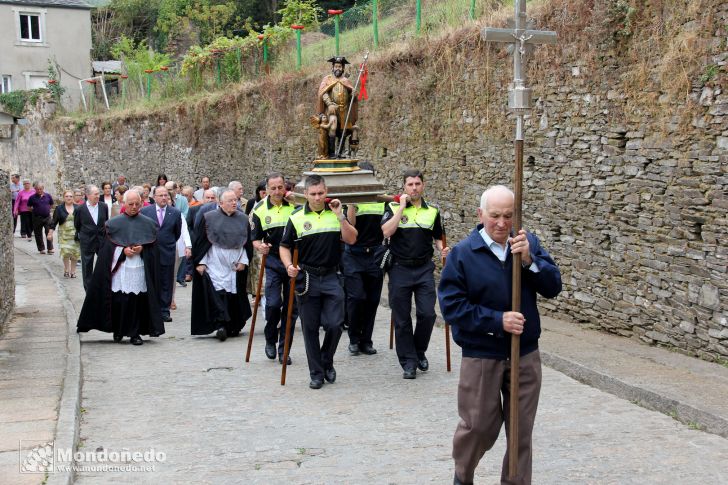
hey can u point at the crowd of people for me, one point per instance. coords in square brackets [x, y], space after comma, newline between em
[134, 242]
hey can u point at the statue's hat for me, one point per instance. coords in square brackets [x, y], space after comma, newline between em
[339, 59]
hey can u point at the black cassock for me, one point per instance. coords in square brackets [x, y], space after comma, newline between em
[212, 309]
[124, 314]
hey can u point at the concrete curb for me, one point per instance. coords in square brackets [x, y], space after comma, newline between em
[67, 426]
[680, 411]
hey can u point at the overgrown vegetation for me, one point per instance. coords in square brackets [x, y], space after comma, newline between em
[16, 102]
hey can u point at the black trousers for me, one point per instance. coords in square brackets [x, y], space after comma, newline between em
[166, 287]
[363, 281]
[87, 267]
[404, 282]
[321, 306]
[26, 224]
[277, 289]
[12, 214]
[41, 225]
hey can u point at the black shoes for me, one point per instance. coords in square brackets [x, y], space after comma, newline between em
[354, 349]
[136, 340]
[409, 374]
[456, 481]
[316, 384]
[221, 334]
[182, 283]
[330, 375]
[166, 318]
[118, 338]
[367, 349]
[280, 360]
[270, 351]
[423, 364]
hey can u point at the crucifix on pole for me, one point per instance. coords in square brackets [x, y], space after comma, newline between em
[521, 37]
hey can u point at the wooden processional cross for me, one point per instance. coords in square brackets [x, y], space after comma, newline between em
[519, 101]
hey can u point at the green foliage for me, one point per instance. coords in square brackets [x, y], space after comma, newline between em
[55, 88]
[711, 72]
[622, 14]
[211, 19]
[300, 12]
[138, 57]
[16, 102]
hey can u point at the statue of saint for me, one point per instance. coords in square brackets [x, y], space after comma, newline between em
[335, 94]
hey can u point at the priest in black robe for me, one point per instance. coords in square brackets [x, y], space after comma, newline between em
[219, 301]
[122, 296]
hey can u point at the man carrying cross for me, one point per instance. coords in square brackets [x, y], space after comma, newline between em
[474, 298]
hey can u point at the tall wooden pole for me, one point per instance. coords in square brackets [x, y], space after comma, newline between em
[291, 298]
[519, 102]
[516, 304]
[255, 307]
[375, 24]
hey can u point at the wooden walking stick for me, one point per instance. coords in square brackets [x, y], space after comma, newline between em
[255, 307]
[391, 333]
[447, 327]
[521, 38]
[291, 297]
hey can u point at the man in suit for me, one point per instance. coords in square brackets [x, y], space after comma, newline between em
[169, 221]
[90, 223]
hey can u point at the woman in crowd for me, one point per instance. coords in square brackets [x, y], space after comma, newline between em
[21, 209]
[118, 202]
[106, 196]
[70, 248]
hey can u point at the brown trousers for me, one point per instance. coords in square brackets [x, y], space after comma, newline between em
[482, 412]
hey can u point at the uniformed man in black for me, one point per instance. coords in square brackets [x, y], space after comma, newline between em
[317, 230]
[363, 273]
[411, 225]
[268, 220]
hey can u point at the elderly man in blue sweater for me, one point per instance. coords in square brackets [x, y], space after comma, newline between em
[475, 298]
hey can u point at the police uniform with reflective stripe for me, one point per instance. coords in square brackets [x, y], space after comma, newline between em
[412, 273]
[317, 235]
[268, 222]
[363, 275]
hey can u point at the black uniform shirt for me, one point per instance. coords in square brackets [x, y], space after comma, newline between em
[317, 236]
[369, 224]
[268, 228]
[415, 232]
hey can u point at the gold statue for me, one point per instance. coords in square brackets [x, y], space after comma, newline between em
[334, 100]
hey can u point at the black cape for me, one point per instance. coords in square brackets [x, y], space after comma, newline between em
[96, 312]
[212, 309]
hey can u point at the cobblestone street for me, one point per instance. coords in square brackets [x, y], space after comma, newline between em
[220, 420]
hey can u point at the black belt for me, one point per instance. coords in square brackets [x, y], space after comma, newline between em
[411, 263]
[319, 270]
[361, 249]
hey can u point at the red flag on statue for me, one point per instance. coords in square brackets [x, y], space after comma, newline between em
[363, 91]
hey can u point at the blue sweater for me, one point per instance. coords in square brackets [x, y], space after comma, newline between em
[475, 291]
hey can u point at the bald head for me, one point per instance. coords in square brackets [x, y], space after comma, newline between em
[496, 212]
[132, 202]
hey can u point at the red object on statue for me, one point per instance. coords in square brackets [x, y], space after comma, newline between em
[334, 12]
[363, 91]
[297, 27]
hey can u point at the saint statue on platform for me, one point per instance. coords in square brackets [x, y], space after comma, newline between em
[337, 113]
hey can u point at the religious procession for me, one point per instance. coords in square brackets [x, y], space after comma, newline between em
[202, 308]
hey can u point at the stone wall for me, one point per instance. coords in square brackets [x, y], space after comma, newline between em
[7, 264]
[626, 170]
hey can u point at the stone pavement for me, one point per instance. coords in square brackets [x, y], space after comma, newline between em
[220, 420]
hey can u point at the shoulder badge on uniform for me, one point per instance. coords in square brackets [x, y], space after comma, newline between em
[267, 219]
[405, 219]
[307, 226]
